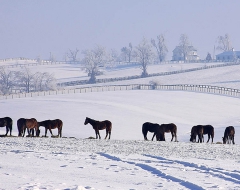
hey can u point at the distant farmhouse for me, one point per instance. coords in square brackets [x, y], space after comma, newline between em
[228, 55]
[178, 55]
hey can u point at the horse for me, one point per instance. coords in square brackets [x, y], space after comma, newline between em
[6, 121]
[196, 131]
[229, 135]
[171, 127]
[52, 124]
[153, 128]
[29, 124]
[209, 130]
[100, 125]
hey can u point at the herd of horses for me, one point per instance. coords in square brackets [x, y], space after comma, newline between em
[196, 131]
[32, 126]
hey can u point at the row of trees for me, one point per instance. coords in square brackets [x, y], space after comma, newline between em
[25, 81]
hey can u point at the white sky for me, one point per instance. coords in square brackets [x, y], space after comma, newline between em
[31, 28]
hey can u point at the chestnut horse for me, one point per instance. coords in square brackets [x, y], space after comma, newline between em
[52, 124]
[171, 127]
[29, 124]
[100, 125]
[196, 131]
[229, 135]
[153, 128]
[6, 121]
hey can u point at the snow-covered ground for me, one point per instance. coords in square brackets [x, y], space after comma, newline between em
[126, 161]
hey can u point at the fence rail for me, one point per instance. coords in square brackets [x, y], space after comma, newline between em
[186, 87]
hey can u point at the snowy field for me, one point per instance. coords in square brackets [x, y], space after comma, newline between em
[126, 161]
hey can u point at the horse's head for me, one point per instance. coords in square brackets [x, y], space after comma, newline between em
[192, 138]
[86, 121]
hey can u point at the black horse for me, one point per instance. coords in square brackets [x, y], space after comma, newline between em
[153, 128]
[196, 131]
[6, 121]
[100, 125]
[229, 135]
[52, 124]
[167, 128]
[209, 130]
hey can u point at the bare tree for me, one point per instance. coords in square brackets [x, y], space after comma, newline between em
[184, 46]
[43, 81]
[28, 81]
[144, 55]
[6, 80]
[127, 52]
[25, 79]
[160, 47]
[224, 43]
[72, 55]
[93, 60]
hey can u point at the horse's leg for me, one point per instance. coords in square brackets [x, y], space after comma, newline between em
[109, 135]
[154, 134]
[172, 136]
[99, 134]
[45, 131]
[106, 134]
[96, 134]
[50, 131]
[233, 140]
[6, 130]
[208, 137]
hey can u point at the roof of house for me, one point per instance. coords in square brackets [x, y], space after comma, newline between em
[228, 53]
[191, 48]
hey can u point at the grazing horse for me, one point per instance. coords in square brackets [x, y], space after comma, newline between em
[171, 127]
[209, 130]
[29, 124]
[52, 124]
[229, 135]
[6, 121]
[100, 125]
[153, 128]
[196, 131]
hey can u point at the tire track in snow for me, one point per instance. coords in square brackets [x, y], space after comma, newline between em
[227, 176]
[155, 171]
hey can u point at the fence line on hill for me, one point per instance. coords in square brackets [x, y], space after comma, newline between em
[181, 87]
[81, 82]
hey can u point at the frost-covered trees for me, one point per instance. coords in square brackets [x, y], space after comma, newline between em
[127, 52]
[160, 47]
[93, 60]
[6, 80]
[184, 46]
[25, 80]
[72, 55]
[144, 55]
[224, 43]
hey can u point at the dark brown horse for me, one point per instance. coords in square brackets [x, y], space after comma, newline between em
[229, 135]
[171, 127]
[29, 124]
[100, 125]
[209, 130]
[153, 128]
[6, 121]
[52, 124]
[196, 131]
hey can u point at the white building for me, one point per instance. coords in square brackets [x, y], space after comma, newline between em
[228, 55]
[191, 56]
